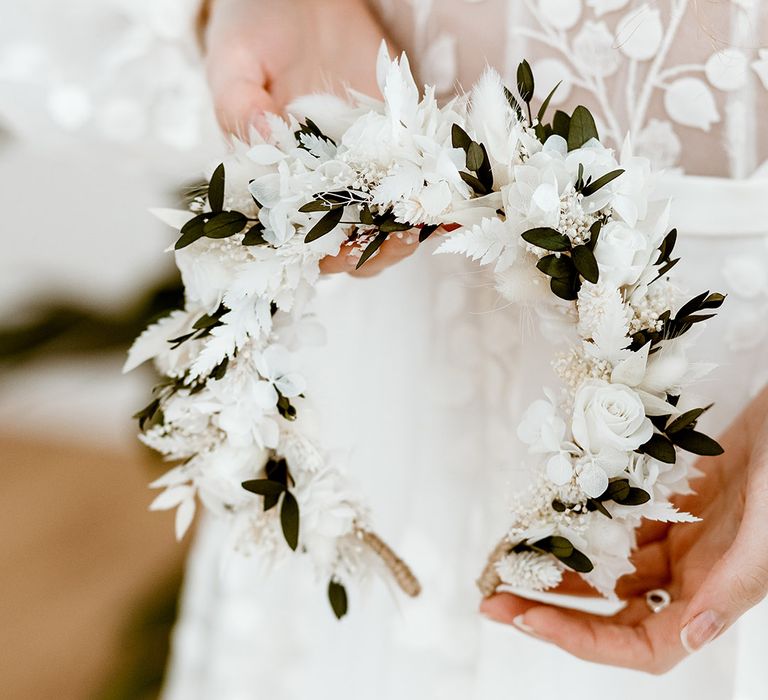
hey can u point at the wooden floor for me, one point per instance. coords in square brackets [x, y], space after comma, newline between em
[79, 554]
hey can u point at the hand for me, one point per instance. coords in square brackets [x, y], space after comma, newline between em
[261, 54]
[715, 570]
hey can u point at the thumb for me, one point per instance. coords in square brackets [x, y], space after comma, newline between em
[737, 582]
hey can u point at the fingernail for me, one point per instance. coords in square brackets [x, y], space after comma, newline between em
[701, 630]
[519, 622]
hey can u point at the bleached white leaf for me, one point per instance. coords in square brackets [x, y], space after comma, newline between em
[484, 242]
[172, 497]
[265, 154]
[667, 513]
[654, 406]
[173, 477]
[154, 340]
[184, 515]
[631, 370]
[175, 218]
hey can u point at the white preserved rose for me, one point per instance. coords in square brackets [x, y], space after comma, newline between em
[609, 418]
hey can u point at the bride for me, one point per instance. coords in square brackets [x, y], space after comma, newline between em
[446, 372]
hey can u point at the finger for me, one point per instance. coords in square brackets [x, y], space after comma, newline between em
[651, 531]
[739, 580]
[395, 248]
[239, 87]
[506, 608]
[573, 584]
[651, 571]
[634, 638]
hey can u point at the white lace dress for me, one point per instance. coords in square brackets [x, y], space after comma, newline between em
[426, 373]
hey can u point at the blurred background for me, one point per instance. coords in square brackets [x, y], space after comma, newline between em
[103, 114]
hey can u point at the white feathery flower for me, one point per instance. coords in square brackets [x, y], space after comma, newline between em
[530, 571]
[604, 320]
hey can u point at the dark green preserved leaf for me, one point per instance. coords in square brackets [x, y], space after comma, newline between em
[595, 504]
[318, 205]
[547, 238]
[337, 596]
[285, 408]
[667, 246]
[581, 128]
[176, 342]
[475, 156]
[659, 447]
[460, 138]
[578, 561]
[207, 321]
[220, 370]
[567, 289]
[713, 301]
[371, 248]
[544, 105]
[556, 266]
[561, 123]
[191, 231]
[366, 217]
[617, 490]
[525, 82]
[390, 225]
[289, 519]
[224, 224]
[514, 104]
[325, 225]
[216, 189]
[264, 487]
[254, 236]
[427, 231]
[686, 420]
[697, 443]
[554, 544]
[601, 182]
[146, 416]
[692, 306]
[585, 262]
[635, 497]
[478, 187]
[594, 234]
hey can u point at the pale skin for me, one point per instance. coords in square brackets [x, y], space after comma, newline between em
[260, 54]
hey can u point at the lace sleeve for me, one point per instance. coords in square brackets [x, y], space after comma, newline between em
[688, 79]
